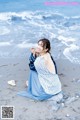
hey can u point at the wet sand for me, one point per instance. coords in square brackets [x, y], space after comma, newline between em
[27, 109]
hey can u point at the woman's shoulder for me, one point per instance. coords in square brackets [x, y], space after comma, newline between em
[47, 56]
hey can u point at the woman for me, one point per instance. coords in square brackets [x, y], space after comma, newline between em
[43, 81]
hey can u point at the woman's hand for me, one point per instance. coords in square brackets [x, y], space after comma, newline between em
[33, 51]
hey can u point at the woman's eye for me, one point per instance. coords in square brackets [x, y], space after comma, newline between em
[40, 45]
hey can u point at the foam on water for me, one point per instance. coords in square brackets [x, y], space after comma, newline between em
[67, 53]
[27, 45]
[23, 15]
[4, 30]
[5, 44]
[21, 30]
[66, 39]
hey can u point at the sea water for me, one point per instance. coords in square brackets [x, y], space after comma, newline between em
[24, 22]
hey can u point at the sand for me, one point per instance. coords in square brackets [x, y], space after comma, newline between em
[27, 109]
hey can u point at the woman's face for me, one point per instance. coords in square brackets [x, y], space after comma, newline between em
[39, 47]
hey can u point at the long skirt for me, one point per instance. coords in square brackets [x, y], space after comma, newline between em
[35, 90]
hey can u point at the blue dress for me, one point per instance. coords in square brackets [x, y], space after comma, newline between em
[42, 84]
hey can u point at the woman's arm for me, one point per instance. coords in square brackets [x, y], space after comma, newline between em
[31, 62]
[32, 59]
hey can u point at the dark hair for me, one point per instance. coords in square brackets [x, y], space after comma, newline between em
[54, 64]
[46, 44]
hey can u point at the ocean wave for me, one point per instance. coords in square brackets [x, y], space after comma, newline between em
[30, 15]
[72, 21]
[18, 16]
[39, 16]
[53, 16]
[26, 45]
[25, 28]
[5, 44]
[68, 53]
[11, 16]
[66, 39]
[4, 30]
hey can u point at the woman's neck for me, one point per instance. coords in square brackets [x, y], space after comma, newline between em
[41, 54]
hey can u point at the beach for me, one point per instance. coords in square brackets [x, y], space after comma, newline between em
[25, 108]
[22, 24]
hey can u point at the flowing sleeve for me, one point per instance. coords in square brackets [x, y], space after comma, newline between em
[31, 62]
